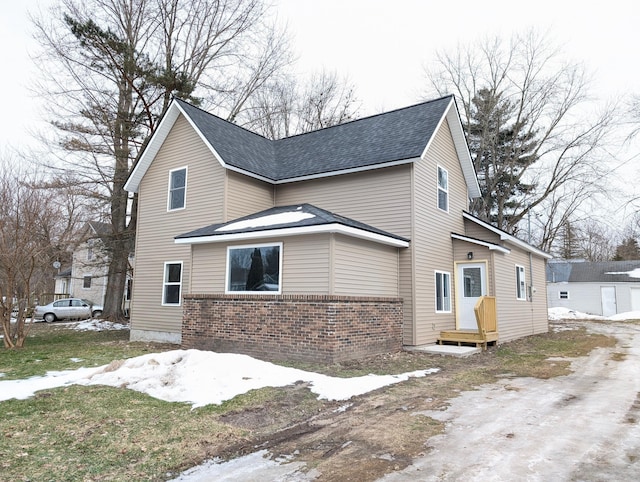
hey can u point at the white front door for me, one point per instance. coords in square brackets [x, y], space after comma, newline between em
[608, 296]
[471, 286]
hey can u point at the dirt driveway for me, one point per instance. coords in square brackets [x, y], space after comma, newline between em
[584, 426]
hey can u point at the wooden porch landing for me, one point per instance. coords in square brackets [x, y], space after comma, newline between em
[485, 311]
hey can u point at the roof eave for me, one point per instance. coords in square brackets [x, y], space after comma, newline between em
[297, 231]
[452, 115]
[491, 246]
[504, 236]
[157, 140]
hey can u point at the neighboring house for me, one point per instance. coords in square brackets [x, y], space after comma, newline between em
[340, 243]
[62, 284]
[600, 288]
[88, 276]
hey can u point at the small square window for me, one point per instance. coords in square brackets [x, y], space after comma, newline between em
[177, 189]
[443, 189]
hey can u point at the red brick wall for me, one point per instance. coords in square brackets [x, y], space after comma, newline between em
[293, 327]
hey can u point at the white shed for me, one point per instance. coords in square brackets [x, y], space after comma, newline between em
[601, 288]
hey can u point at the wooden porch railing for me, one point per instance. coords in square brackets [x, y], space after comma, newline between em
[486, 318]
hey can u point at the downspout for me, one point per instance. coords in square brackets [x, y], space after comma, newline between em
[530, 269]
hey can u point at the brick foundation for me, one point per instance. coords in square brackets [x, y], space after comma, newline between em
[293, 327]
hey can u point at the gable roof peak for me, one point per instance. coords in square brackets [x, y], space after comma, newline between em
[386, 139]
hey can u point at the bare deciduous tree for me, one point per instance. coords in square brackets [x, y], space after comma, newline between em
[550, 105]
[35, 226]
[289, 107]
[110, 68]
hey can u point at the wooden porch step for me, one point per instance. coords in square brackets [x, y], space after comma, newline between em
[471, 337]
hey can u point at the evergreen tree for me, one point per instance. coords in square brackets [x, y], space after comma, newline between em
[628, 250]
[570, 248]
[502, 147]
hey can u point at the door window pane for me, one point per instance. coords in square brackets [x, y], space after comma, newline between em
[472, 282]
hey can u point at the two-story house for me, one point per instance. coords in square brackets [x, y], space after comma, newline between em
[339, 243]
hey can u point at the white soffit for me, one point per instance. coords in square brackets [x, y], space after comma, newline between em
[491, 246]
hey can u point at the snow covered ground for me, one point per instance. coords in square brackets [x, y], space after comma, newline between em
[200, 378]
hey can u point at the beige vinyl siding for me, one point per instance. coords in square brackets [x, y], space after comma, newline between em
[246, 195]
[157, 227]
[474, 230]
[363, 268]
[518, 318]
[380, 197]
[432, 243]
[305, 264]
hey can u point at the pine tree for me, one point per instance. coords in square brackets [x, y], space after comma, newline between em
[502, 147]
[628, 250]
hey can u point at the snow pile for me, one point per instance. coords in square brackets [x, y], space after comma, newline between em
[560, 314]
[99, 325]
[628, 316]
[201, 378]
[567, 314]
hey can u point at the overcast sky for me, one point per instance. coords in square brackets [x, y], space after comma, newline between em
[382, 46]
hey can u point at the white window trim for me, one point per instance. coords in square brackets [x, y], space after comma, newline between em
[87, 275]
[438, 188]
[448, 278]
[186, 177]
[250, 246]
[521, 280]
[165, 283]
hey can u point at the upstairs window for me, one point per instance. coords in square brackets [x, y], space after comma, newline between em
[443, 189]
[86, 281]
[90, 250]
[172, 285]
[177, 189]
[521, 291]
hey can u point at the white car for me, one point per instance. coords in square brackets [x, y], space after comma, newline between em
[67, 308]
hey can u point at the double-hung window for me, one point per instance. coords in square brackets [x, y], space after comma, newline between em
[172, 283]
[521, 290]
[443, 292]
[177, 189]
[254, 268]
[443, 189]
[86, 281]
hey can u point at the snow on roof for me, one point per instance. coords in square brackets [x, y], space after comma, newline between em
[289, 217]
[635, 273]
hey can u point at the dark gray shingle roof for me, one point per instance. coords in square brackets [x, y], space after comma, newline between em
[393, 136]
[599, 272]
[318, 217]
